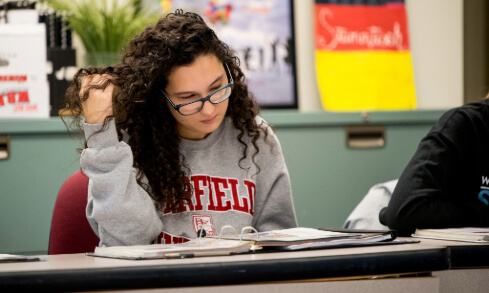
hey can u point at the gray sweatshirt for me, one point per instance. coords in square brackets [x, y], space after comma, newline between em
[122, 213]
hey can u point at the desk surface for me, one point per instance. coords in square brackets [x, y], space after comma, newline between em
[463, 254]
[81, 272]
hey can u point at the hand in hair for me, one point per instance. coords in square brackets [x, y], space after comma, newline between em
[97, 104]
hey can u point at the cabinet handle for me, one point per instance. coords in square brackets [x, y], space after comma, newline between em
[365, 136]
[4, 147]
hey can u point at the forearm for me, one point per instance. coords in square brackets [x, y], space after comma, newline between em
[119, 209]
[425, 210]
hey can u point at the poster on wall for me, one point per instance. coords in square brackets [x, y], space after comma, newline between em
[24, 91]
[363, 58]
[261, 32]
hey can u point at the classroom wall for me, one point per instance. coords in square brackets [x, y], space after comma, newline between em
[436, 36]
[328, 178]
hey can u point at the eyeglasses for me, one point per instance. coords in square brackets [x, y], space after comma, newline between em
[216, 97]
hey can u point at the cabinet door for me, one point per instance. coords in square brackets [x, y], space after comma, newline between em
[329, 179]
[30, 179]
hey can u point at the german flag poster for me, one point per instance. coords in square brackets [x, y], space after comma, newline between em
[363, 58]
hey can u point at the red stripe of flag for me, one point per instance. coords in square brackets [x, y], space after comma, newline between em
[361, 27]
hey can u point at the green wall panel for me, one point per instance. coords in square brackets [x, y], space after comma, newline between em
[29, 182]
[329, 179]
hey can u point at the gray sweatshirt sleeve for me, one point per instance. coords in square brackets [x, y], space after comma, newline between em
[274, 207]
[119, 210]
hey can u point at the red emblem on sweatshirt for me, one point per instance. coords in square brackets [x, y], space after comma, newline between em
[203, 222]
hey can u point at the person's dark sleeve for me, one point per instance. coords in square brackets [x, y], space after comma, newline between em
[420, 199]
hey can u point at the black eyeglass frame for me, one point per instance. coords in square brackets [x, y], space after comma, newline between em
[207, 98]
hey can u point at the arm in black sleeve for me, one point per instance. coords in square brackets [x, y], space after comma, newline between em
[425, 196]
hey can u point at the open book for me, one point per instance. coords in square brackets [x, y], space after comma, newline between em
[468, 234]
[285, 237]
[192, 248]
[226, 244]
[309, 238]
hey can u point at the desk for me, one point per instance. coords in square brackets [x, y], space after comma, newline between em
[469, 266]
[463, 254]
[78, 272]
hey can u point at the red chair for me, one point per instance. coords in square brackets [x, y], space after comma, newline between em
[70, 230]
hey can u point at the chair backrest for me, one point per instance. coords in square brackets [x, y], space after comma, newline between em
[70, 230]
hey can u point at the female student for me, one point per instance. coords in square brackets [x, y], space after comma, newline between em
[174, 143]
[446, 183]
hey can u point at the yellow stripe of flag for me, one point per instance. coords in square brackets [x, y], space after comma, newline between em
[365, 80]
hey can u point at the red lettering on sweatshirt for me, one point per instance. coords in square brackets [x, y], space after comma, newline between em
[190, 204]
[182, 205]
[240, 203]
[222, 194]
[199, 182]
[251, 195]
[211, 206]
[219, 183]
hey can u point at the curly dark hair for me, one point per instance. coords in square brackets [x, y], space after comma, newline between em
[139, 107]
